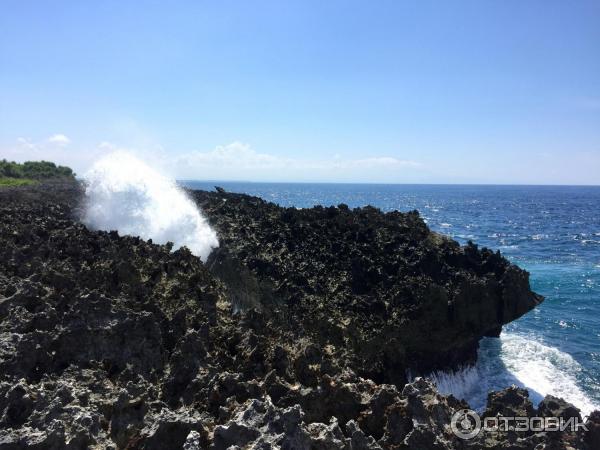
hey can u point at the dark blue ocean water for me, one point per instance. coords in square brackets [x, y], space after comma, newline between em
[552, 231]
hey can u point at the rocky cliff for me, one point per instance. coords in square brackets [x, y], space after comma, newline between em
[380, 290]
[296, 334]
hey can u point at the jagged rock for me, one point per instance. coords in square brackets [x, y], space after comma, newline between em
[193, 441]
[358, 439]
[592, 437]
[172, 429]
[260, 423]
[398, 424]
[382, 289]
[552, 406]
[510, 402]
[431, 414]
[282, 340]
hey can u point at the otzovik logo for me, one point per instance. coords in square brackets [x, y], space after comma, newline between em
[465, 424]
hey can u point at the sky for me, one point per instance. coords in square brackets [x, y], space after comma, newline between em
[331, 91]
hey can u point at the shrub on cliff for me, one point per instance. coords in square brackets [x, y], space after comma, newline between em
[36, 170]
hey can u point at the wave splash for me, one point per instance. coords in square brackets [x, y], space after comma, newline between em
[126, 195]
[519, 360]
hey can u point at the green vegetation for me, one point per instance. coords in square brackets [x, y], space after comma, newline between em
[15, 181]
[14, 174]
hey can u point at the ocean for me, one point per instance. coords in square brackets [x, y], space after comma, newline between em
[551, 231]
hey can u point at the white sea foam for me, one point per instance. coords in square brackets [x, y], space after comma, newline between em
[516, 359]
[126, 195]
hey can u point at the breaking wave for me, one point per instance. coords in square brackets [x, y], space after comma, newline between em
[126, 195]
[519, 360]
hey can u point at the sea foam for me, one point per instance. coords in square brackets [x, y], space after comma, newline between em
[519, 360]
[126, 195]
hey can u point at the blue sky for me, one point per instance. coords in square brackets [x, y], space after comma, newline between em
[383, 91]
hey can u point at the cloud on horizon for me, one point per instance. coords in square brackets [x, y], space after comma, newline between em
[239, 161]
[56, 148]
[235, 161]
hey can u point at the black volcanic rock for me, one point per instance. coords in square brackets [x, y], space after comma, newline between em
[108, 341]
[381, 289]
[552, 406]
[510, 402]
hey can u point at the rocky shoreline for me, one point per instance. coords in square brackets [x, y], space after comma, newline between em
[297, 333]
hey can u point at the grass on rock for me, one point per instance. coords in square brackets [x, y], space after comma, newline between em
[7, 181]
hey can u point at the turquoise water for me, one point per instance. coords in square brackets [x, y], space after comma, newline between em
[552, 231]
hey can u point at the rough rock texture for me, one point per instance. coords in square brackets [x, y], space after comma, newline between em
[93, 329]
[381, 289]
[113, 342]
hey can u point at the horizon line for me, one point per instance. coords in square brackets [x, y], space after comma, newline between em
[183, 180]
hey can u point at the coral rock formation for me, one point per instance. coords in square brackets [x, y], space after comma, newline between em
[296, 334]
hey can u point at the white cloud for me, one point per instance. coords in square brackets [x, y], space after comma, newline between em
[380, 161]
[235, 161]
[26, 143]
[55, 148]
[59, 139]
[242, 156]
[236, 154]
[27, 148]
[239, 161]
